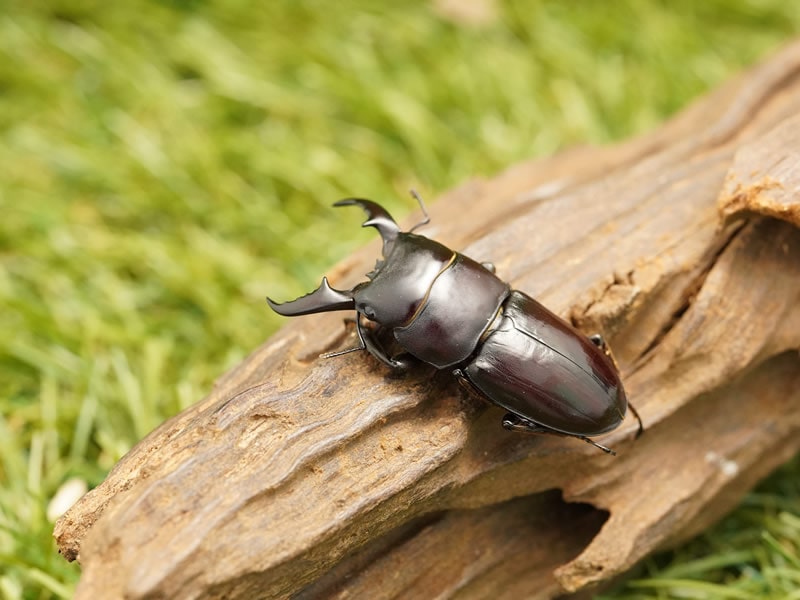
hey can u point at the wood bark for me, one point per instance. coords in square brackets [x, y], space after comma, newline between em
[311, 478]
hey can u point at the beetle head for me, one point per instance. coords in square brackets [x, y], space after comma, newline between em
[400, 281]
[398, 285]
[325, 298]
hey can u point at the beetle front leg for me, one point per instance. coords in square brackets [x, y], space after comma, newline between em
[375, 348]
[513, 422]
[465, 383]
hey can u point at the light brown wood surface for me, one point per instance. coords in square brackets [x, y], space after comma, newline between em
[300, 476]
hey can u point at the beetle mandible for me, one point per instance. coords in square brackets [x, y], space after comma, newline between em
[452, 312]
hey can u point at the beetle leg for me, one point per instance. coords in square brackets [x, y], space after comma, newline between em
[374, 347]
[635, 412]
[513, 422]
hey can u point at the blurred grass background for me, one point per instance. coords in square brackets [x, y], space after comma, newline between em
[164, 165]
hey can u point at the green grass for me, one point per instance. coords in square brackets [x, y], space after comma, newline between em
[752, 553]
[164, 165]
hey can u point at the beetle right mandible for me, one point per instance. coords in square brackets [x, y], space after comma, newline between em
[449, 311]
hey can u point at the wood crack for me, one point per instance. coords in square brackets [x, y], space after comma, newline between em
[689, 293]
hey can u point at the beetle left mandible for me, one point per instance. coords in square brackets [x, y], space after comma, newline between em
[447, 310]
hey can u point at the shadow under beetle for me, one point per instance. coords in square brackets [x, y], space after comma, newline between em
[447, 310]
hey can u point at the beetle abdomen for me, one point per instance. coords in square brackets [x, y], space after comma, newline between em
[537, 366]
[459, 307]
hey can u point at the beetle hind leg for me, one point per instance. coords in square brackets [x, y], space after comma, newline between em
[513, 422]
[605, 449]
[635, 412]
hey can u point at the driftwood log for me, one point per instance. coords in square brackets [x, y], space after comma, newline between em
[310, 478]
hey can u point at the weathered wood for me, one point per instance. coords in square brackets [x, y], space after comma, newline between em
[333, 478]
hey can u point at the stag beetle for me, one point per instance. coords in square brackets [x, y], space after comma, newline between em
[452, 312]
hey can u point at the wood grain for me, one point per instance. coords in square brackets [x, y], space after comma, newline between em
[313, 478]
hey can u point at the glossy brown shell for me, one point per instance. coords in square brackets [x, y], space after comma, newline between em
[456, 310]
[539, 367]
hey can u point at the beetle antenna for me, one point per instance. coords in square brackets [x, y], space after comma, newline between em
[426, 218]
[361, 346]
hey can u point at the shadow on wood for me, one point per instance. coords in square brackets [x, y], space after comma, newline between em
[333, 478]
